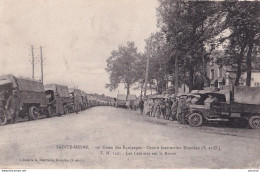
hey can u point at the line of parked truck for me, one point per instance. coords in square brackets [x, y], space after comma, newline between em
[232, 104]
[240, 104]
[37, 99]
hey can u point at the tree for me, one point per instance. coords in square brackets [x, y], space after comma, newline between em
[121, 67]
[155, 48]
[189, 27]
[242, 20]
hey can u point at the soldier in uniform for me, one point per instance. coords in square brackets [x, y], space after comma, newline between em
[186, 110]
[141, 106]
[59, 106]
[13, 104]
[76, 104]
[180, 106]
[168, 109]
[174, 108]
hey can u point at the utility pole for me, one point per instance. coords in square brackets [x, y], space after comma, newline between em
[146, 74]
[32, 63]
[41, 64]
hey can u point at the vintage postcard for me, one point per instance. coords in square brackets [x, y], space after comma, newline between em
[129, 84]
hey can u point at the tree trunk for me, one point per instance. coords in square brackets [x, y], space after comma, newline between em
[249, 64]
[128, 89]
[176, 73]
[191, 78]
[204, 65]
[239, 64]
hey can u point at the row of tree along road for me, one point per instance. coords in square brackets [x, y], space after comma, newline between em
[191, 34]
[29, 98]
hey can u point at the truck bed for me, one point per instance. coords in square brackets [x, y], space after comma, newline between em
[245, 108]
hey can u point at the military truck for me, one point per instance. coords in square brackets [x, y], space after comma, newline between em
[240, 103]
[84, 100]
[130, 101]
[29, 91]
[121, 100]
[58, 97]
[76, 97]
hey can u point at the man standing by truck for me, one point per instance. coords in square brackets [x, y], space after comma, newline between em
[141, 106]
[13, 104]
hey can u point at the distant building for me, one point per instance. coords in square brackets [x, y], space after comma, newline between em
[222, 75]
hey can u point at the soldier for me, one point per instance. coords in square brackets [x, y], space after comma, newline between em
[157, 108]
[186, 110]
[168, 109]
[174, 108]
[13, 104]
[76, 104]
[59, 106]
[162, 108]
[152, 107]
[141, 106]
[181, 104]
[145, 107]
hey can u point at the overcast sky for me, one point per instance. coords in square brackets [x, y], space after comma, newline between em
[77, 37]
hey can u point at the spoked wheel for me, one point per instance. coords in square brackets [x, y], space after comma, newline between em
[33, 113]
[254, 122]
[3, 118]
[195, 119]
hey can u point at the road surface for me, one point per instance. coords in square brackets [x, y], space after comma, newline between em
[107, 137]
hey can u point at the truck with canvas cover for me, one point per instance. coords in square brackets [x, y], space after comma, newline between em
[76, 97]
[239, 104]
[130, 101]
[121, 100]
[30, 93]
[84, 100]
[58, 98]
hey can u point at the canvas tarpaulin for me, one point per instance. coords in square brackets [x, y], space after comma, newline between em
[29, 85]
[247, 95]
[62, 90]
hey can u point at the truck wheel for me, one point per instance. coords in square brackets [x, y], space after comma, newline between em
[195, 119]
[33, 113]
[3, 118]
[254, 122]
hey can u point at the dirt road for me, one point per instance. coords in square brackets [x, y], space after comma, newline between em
[107, 137]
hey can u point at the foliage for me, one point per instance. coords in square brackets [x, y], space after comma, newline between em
[121, 66]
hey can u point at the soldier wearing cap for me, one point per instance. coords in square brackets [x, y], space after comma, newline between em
[13, 104]
[186, 107]
[174, 108]
[76, 104]
[180, 107]
[141, 106]
[168, 108]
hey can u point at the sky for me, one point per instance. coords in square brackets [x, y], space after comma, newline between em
[77, 37]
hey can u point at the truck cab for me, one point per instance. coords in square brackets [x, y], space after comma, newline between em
[211, 106]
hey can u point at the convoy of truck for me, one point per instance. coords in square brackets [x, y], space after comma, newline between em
[38, 100]
[232, 104]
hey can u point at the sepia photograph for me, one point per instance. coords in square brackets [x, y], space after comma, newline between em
[129, 84]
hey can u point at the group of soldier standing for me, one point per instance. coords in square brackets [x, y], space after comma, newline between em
[168, 108]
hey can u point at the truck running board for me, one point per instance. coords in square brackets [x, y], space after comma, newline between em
[218, 119]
